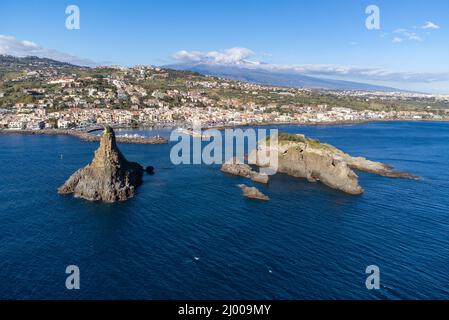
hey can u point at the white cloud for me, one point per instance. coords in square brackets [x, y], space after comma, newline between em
[240, 57]
[397, 40]
[430, 25]
[20, 48]
[409, 35]
[415, 37]
[400, 30]
[228, 56]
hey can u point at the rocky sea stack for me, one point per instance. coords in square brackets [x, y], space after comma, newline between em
[108, 178]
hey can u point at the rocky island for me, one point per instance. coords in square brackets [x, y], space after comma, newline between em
[302, 157]
[108, 178]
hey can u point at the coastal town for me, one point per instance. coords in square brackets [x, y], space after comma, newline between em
[39, 95]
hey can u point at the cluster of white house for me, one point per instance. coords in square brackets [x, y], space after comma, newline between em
[37, 117]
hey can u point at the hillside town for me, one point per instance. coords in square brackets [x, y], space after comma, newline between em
[36, 97]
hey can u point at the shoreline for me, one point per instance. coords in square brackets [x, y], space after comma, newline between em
[86, 136]
[311, 124]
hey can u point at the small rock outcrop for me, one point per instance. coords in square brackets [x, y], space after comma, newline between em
[253, 193]
[108, 178]
[149, 170]
[236, 168]
[259, 177]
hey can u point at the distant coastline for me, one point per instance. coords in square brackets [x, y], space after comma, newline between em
[334, 123]
[85, 135]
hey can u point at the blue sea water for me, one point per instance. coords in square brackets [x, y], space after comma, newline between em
[189, 233]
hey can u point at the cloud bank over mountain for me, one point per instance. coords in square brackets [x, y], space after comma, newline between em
[243, 58]
[228, 56]
[10, 45]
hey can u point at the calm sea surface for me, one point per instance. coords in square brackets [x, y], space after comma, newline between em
[189, 233]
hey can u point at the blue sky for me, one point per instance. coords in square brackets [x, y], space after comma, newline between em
[327, 34]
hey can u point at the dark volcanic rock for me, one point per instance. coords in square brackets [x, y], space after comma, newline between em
[149, 170]
[109, 177]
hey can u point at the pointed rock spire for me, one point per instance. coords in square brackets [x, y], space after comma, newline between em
[109, 177]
